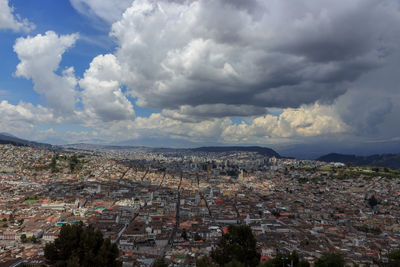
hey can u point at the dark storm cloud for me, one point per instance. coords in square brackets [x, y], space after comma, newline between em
[254, 53]
[189, 113]
[339, 35]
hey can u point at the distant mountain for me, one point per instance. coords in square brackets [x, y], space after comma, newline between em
[8, 134]
[385, 160]
[260, 150]
[162, 142]
[215, 149]
[316, 148]
[6, 138]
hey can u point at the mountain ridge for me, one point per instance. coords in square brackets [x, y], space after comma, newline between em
[379, 160]
[266, 151]
[6, 138]
[212, 149]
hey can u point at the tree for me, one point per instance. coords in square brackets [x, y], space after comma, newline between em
[73, 163]
[34, 239]
[53, 164]
[203, 262]
[73, 261]
[11, 219]
[160, 263]
[291, 259]
[184, 234]
[238, 244]
[79, 245]
[23, 238]
[234, 263]
[372, 201]
[330, 260]
[197, 237]
[304, 263]
[276, 213]
[394, 258]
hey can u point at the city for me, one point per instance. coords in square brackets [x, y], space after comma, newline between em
[199, 133]
[176, 207]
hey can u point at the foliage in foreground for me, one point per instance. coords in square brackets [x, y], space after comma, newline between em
[238, 246]
[79, 245]
[289, 259]
[330, 260]
[394, 259]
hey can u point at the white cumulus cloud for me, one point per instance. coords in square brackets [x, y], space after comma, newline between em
[40, 57]
[102, 96]
[9, 20]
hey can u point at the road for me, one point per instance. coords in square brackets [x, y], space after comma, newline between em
[177, 223]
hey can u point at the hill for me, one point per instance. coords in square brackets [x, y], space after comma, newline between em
[6, 138]
[384, 160]
[261, 150]
[208, 149]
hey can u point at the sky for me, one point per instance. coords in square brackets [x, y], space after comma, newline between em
[303, 77]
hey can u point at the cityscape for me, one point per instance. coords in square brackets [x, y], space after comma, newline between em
[176, 206]
[199, 133]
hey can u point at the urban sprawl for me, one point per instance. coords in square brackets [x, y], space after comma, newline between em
[176, 206]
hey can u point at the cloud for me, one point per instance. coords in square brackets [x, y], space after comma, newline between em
[11, 21]
[307, 121]
[159, 126]
[181, 55]
[40, 57]
[24, 112]
[201, 112]
[329, 68]
[109, 11]
[102, 96]
[313, 120]
[364, 111]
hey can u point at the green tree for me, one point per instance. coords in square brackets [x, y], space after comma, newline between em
[11, 219]
[73, 261]
[238, 244]
[34, 239]
[160, 263]
[304, 263]
[82, 245]
[291, 259]
[23, 238]
[53, 164]
[276, 213]
[330, 260]
[394, 258]
[234, 263]
[184, 234]
[73, 162]
[197, 237]
[203, 262]
[372, 201]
